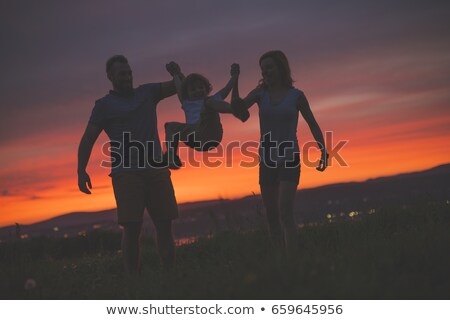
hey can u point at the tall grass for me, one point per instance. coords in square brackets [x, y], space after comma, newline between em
[395, 253]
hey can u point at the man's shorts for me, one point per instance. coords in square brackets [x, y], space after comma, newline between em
[270, 175]
[146, 188]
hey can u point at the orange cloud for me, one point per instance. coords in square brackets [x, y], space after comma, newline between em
[388, 132]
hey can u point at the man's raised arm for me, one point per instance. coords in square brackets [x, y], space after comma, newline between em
[169, 88]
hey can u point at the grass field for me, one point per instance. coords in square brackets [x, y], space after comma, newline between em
[393, 253]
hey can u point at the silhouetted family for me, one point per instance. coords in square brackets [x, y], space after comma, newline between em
[140, 170]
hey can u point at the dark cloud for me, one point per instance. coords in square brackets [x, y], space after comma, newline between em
[55, 54]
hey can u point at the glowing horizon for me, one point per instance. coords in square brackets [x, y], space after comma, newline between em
[375, 79]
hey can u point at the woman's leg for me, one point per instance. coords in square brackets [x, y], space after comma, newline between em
[287, 192]
[270, 198]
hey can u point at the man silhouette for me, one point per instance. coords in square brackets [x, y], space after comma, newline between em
[130, 113]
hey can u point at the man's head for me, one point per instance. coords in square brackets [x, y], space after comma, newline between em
[119, 73]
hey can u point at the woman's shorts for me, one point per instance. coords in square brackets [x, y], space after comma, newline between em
[275, 173]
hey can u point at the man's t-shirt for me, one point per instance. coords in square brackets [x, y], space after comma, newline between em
[131, 125]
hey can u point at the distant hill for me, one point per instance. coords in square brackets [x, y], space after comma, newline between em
[205, 217]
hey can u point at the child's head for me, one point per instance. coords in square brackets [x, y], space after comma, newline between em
[195, 87]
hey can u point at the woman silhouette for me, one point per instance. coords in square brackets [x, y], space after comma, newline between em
[279, 169]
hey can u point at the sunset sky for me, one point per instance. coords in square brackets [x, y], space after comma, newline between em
[377, 74]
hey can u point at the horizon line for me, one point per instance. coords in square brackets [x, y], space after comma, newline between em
[238, 198]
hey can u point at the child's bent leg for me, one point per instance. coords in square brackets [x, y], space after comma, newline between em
[209, 130]
[173, 132]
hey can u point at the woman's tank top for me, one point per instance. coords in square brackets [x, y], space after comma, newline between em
[278, 127]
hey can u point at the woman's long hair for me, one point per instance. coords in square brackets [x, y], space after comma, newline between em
[282, 63]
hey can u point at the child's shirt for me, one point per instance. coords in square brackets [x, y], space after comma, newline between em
[192, 109]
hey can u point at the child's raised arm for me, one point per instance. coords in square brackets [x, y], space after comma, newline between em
[234, 73]
[240, 106]
[237, 104]
[174, 69]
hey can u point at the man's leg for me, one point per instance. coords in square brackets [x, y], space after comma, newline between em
[129, 193]
[131, 247]
[165, 243]
[162, 207]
